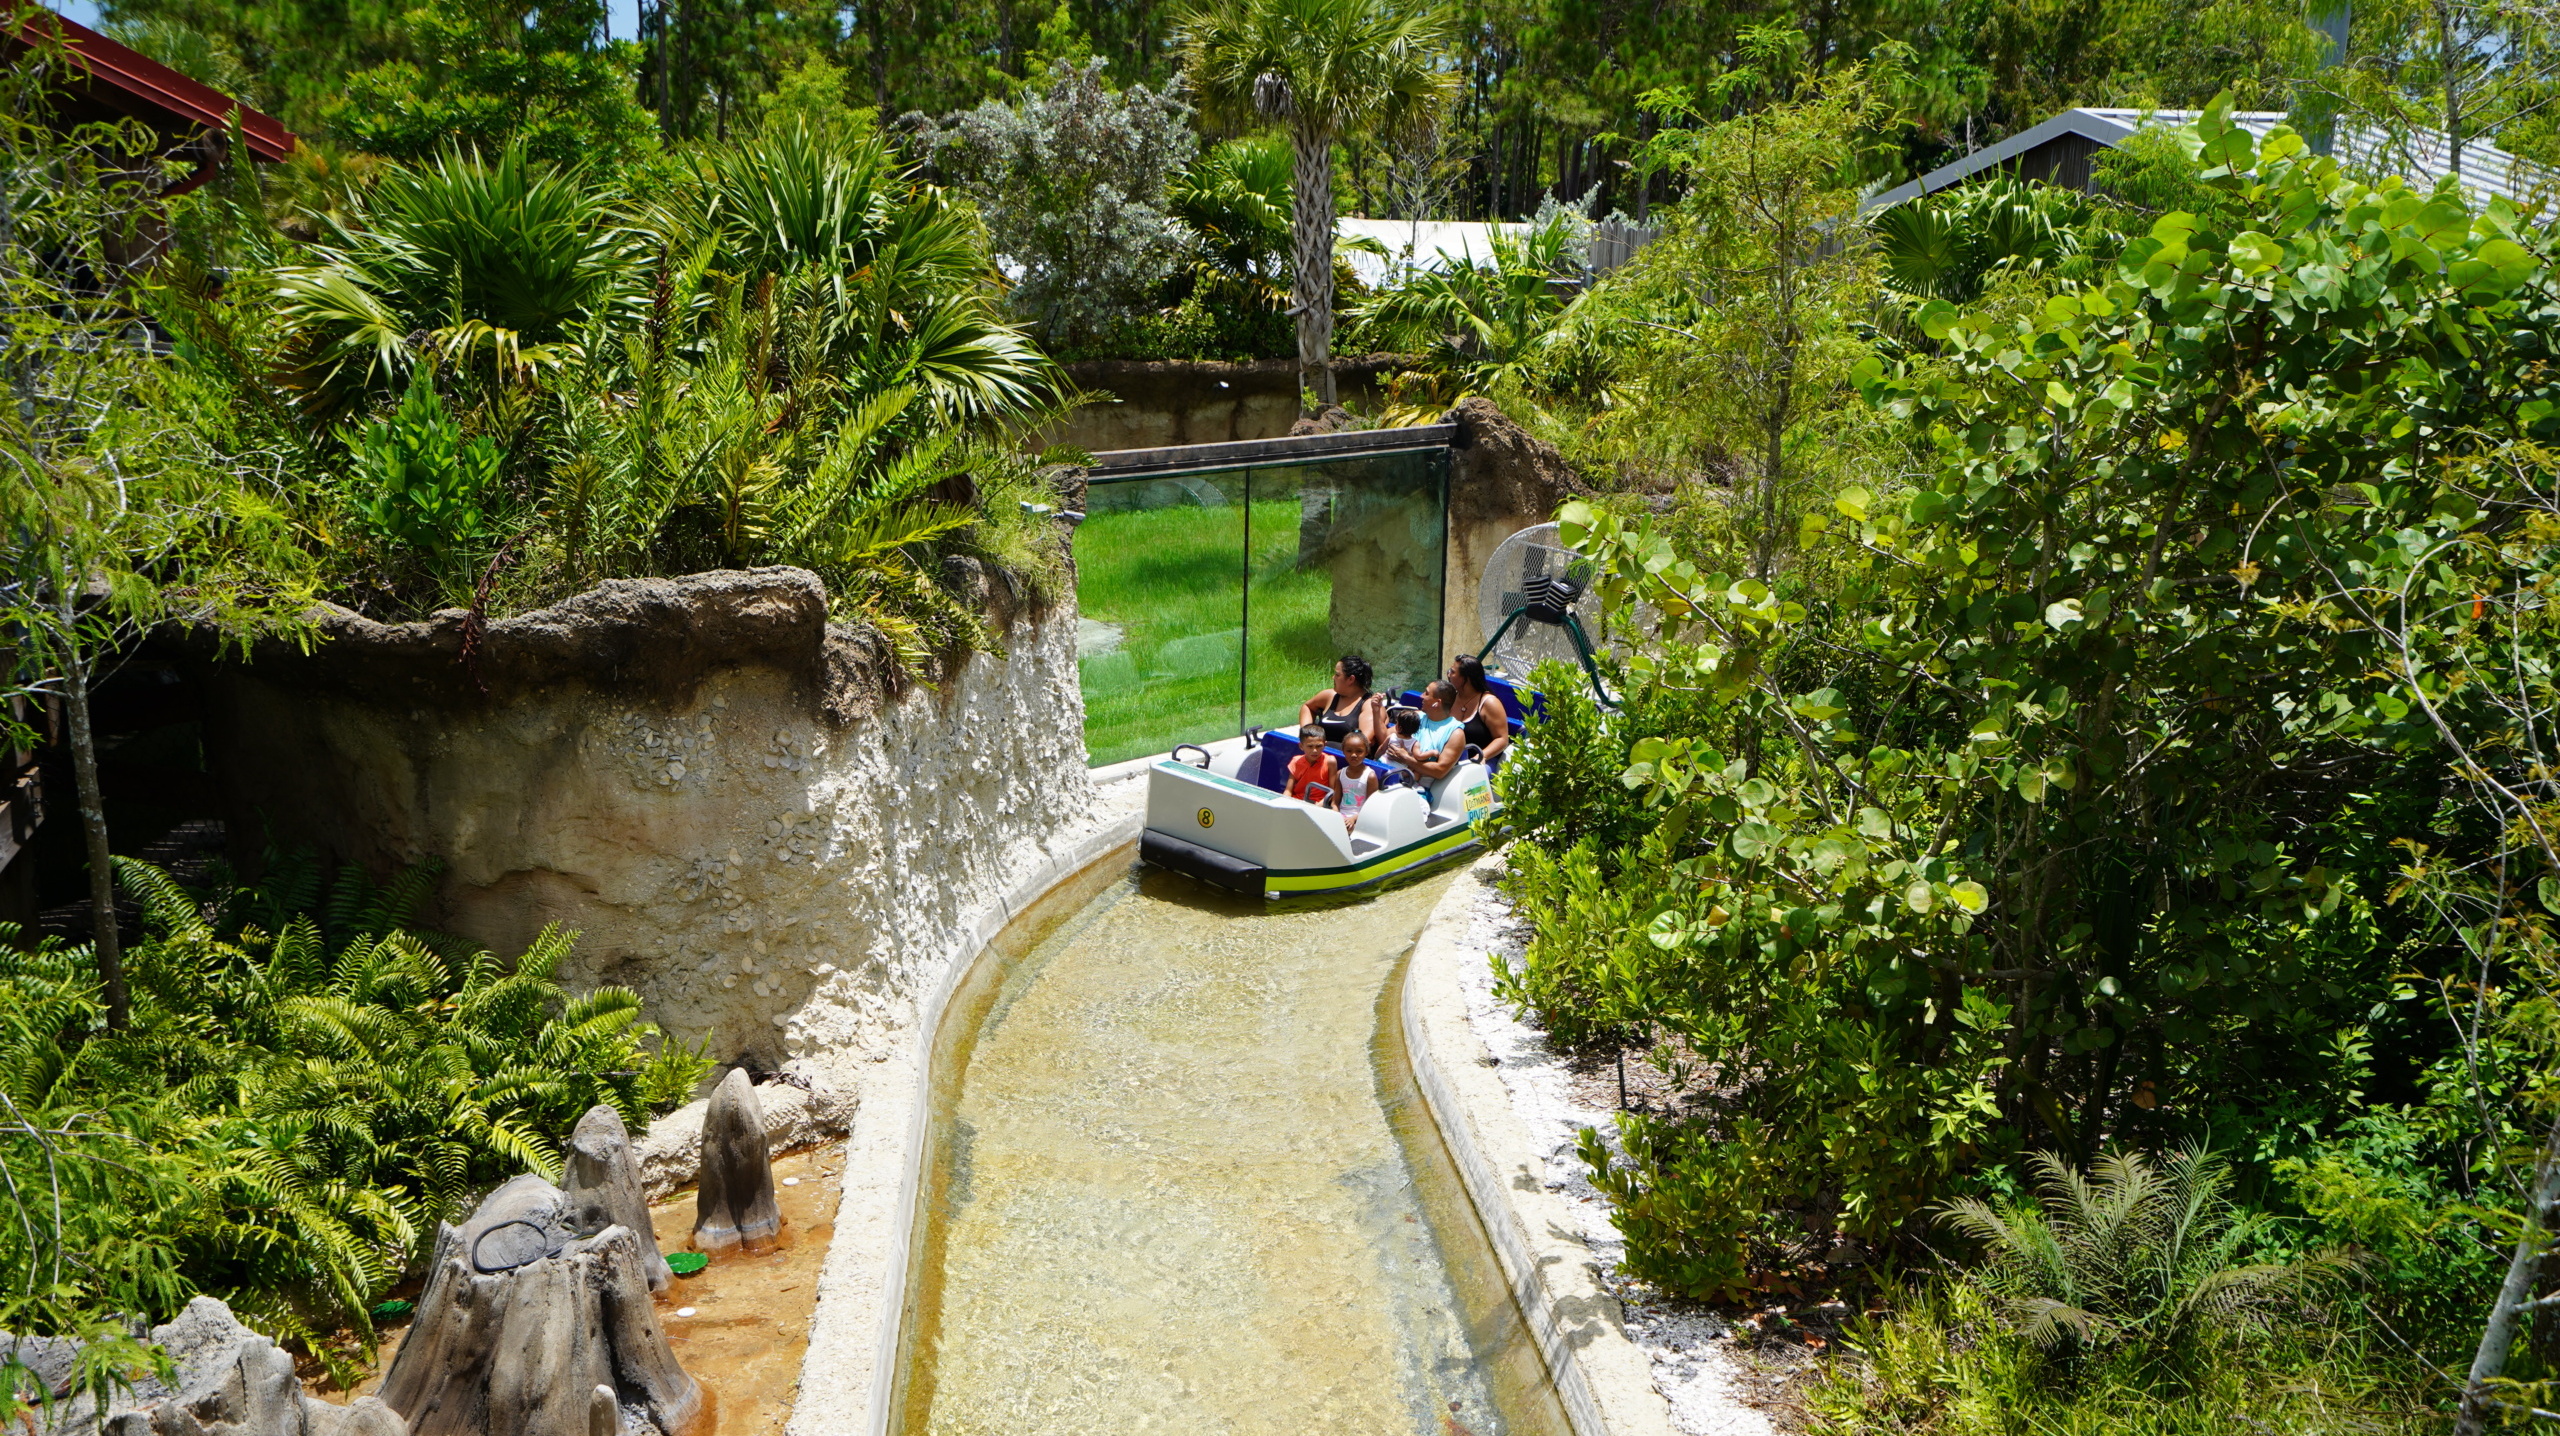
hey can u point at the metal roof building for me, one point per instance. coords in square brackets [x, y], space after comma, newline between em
[2060, 152]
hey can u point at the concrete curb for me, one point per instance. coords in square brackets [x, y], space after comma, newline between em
[848, 1379]
[1603, 1379]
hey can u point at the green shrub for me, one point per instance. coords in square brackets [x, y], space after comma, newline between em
[1195, 330]
[422, 488]
[1944, 1364]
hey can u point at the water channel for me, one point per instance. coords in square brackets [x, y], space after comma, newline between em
[1181, 1181]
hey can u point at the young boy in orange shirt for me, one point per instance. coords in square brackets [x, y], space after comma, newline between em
[1313, 775]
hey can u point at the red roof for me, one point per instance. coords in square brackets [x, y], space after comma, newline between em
[127, 82]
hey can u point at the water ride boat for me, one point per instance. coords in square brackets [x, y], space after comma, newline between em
[1226, 820]
[1217, 819]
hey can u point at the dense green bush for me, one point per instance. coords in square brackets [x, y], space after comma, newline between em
[306, 1087]
[2047, 805]
[1071, 181]
[2130, 1298]
[1196, 329]
[1946, 1364]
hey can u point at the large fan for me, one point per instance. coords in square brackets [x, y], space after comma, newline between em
[1534, 604]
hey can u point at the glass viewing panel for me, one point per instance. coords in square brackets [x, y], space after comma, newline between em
[1159, 585]
[1216, 601]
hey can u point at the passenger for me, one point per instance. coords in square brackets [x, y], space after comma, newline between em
[1486, 720]
[1359, 784]
[1313, 778]
[1439, 741]
[1348, 704]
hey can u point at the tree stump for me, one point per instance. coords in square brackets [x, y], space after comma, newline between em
[604, 1186]
[524, 1316]
[733, 1200]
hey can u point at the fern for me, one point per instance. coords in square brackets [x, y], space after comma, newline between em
[2153, 1260]
[306, 1088]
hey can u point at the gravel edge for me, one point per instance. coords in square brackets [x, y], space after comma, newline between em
[1684, 1355]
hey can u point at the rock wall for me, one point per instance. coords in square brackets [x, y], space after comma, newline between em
[1153, 404]
[742, 814]
[1502, 479]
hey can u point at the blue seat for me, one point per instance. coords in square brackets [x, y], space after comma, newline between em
[1281, 745]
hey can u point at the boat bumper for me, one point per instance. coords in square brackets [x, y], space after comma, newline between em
[1164, 850]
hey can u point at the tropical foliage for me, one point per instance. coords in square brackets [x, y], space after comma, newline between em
[784, 351]
[1494, 325]
[305, 1087]
[2147, 768]
[2132, 1297]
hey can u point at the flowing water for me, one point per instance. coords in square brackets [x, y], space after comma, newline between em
[1181, 1182]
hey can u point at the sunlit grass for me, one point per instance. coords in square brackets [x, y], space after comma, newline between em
[1168, 580]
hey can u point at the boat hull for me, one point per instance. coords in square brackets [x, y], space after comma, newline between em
[1234, 835]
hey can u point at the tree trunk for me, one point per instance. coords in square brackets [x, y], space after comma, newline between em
[2515, 1296]
[1644, 182]
[1311, 244]
[1764, 545]
[2449, 56]
[109, 951]
[523, 1318]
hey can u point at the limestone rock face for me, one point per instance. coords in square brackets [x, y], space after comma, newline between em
[734, 1204]
[743, 815]
[230, 1382]
[604, 1186]
[523, 1318]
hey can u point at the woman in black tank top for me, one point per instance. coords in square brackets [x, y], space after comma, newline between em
[1348, 704]
[1488, 722]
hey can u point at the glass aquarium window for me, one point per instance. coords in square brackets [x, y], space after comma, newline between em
[1216, 601]
[1346, 559]
[1160, 587]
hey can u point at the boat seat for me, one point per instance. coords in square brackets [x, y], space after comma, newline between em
[1278, 746]
[1392, 819]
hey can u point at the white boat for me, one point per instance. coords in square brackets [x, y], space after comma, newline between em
[1211, 818]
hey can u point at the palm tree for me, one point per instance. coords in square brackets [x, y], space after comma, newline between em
[1236, 199]
[1482, 322]
[1320, 70]
[891, 276]
[467, 260]
[1951, 244]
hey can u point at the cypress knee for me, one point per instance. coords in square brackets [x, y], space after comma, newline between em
[604, 1187]
[733, 1202]
[523, 1318]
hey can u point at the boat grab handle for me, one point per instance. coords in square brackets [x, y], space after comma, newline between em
[1180, 748]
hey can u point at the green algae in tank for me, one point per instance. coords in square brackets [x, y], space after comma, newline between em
[1180, 1181]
